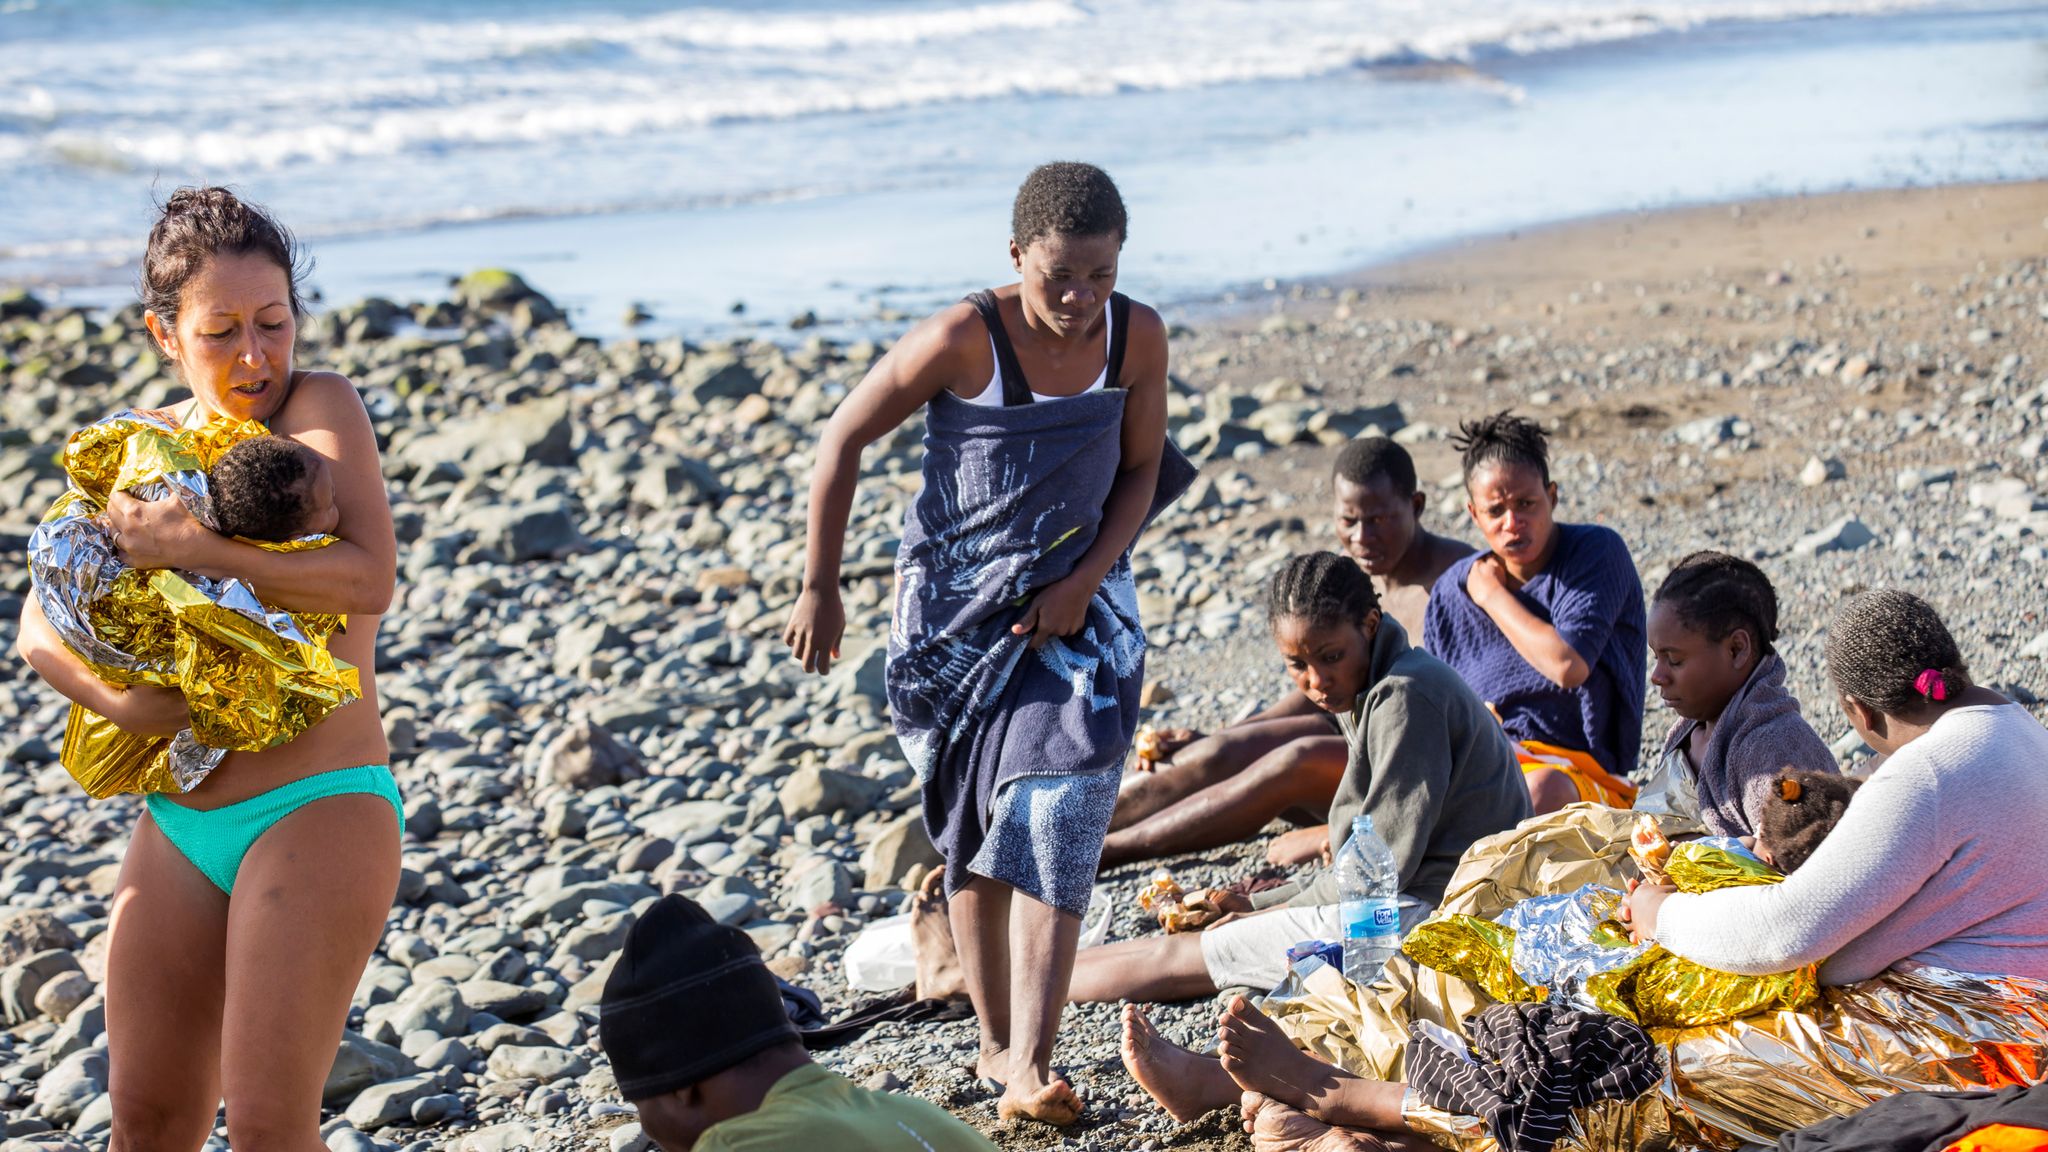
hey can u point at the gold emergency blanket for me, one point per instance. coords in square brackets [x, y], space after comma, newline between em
[1749, 1079]
[1570, 945]
[1912, 1029]
[1364, 1028]
[253, 677]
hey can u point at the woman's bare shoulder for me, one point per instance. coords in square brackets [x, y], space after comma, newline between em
[1146, 320]
[949, 345]
[1146, 341]
[957, 323]
[318, 400]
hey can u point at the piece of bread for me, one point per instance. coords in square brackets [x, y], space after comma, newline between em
[1650, 849]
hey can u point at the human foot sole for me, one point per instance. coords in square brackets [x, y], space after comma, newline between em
[1188, 1086]
[1261, 1059]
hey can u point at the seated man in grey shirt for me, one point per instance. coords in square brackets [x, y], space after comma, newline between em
[1428, 763]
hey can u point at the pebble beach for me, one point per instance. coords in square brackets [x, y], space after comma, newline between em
[588, 703]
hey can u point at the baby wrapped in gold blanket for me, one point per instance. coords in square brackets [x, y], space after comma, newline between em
[253, 677]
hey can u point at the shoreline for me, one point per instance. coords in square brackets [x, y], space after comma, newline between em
[1389, 167]
[1232, 305]
[629, 572]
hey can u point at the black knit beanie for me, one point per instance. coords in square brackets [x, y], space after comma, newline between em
[688, 998]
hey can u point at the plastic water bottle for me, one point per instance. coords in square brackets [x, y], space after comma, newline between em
[1368, 888]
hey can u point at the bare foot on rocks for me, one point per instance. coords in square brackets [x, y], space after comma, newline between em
[1277, 1128]
[1046, 1099]
[993, 1068]
[1187, 1085]
[1260, 1058]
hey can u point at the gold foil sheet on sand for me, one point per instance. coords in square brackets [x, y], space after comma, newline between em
[1646, 985]
[1364, 1028]
[1749, 1079]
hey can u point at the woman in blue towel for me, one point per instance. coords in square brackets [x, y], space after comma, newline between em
[1015, 655]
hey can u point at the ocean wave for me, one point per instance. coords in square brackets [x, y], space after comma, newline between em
[116, 249]
[784, 32]
[450, 85]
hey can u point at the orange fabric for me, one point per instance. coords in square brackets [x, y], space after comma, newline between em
[1595, 784]
[2003, 1065]
[2002, 1138]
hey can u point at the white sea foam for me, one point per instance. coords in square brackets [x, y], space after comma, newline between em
[361, 116]
[391, 84]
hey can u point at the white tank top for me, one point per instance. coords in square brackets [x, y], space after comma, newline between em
[991, 395]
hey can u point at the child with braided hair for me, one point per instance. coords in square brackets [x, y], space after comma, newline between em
[1803, 808]
[1938, 858]
[1427, 763]
[1712, 629]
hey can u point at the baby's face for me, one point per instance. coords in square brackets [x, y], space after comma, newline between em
[323, 515]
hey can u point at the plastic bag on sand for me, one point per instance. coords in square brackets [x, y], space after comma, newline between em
[883, 958]
[1095, 925]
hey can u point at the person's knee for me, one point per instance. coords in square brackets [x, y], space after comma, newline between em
[146, 1120]
[1549, 790]
[260, 1125]
[1204, 759]
[1298, 770]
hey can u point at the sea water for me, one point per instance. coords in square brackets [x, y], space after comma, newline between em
[788, 154]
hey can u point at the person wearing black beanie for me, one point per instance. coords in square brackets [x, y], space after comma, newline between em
[700, 1043]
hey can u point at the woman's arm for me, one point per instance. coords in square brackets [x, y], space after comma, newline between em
[924, 363]
[354, 575]
[1546, 651]
[1061, 608]
[1883, 852]
[142, 710]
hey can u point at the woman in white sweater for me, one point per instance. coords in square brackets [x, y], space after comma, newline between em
[1937, 859]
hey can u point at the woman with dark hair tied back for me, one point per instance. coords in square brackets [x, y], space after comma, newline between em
[247, 907]
[1712, 630]
[1015, 655]
[1936, 859]
[1547, 624]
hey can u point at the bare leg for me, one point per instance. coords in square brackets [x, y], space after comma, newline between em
[1304, 772]
[1549, 790]
[980, 912]
[1043, 940]
[165, 985]
[1277, 1128]
[931, 930]
[1152, 968]
[1261, 1059]
[1187, 1085]
[309, 905]
[1207, 762]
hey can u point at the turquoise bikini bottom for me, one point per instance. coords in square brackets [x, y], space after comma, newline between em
[215, 841]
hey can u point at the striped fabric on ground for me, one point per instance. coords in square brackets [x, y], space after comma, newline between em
[1528, 1066]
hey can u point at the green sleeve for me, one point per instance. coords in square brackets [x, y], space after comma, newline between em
[1408, 744]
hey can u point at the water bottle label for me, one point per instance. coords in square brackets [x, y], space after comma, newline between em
[1373, 919]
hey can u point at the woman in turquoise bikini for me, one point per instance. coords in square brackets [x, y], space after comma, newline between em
[247, 907]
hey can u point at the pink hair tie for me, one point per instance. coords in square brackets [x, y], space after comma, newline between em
[1932, 684]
